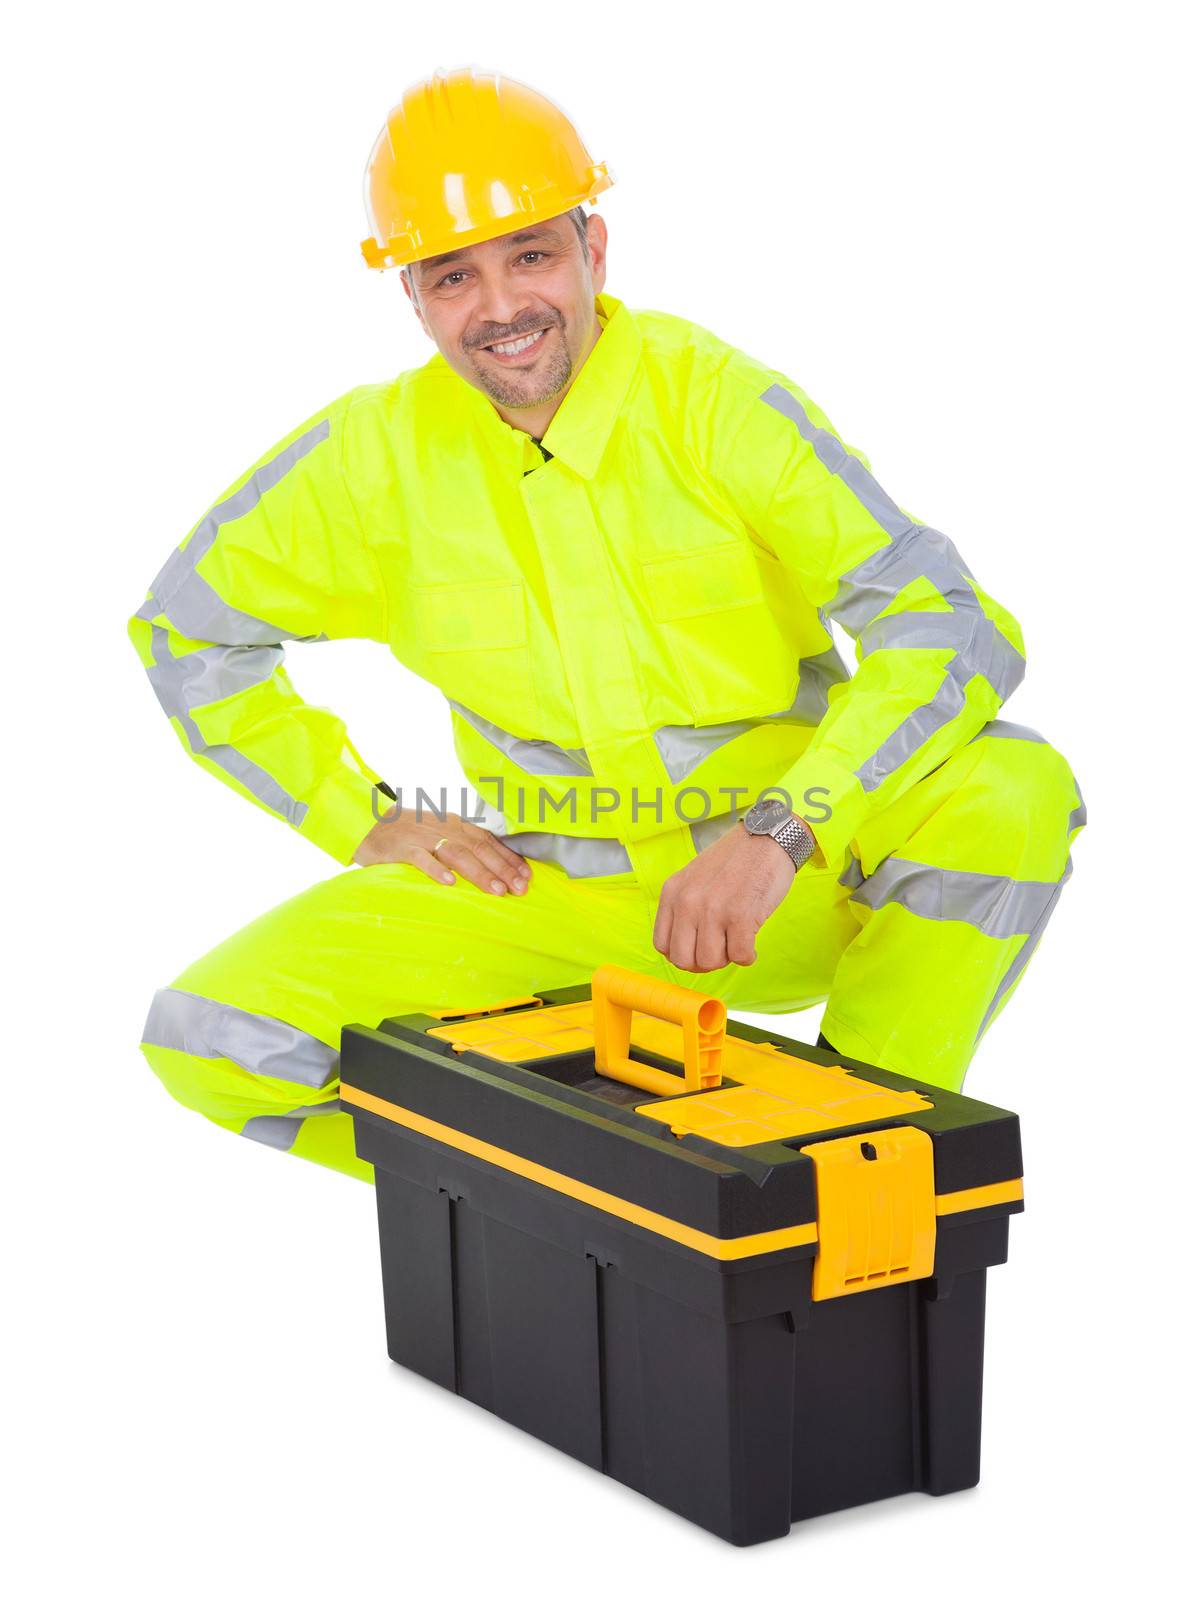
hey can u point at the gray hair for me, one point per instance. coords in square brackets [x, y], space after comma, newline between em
[576, 216]
[579, 221]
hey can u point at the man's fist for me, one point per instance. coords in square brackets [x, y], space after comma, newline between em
[474, 852]
[711, 910]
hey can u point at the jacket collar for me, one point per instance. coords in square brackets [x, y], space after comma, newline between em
[578, 433]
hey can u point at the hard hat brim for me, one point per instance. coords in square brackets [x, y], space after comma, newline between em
[405, 249]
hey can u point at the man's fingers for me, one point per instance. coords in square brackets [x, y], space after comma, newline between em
[503, 863]
[685, 935]
[417, 856]
[682, 940]
[695, 937]
[507, 864]
[740, 943]
[462, 858]
[709, 951]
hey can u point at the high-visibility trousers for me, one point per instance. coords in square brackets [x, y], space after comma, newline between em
[915, 944]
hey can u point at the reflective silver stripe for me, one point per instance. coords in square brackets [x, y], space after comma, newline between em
[972, 636]
[262, 1045]
[919, 726]
[184, 683]
[819, 674]
[1000, 907]
[1078, 817]
[1008, 730]
[1021, 959]
[710, 829]
[852, 873]
[538, 756]
[187, 599]
[485, 816]
[198, 611]
[280, 1130]
[938, 552]
[171, 692]
[914, 551]
[683, 747]
[580, 858]
[980, 650]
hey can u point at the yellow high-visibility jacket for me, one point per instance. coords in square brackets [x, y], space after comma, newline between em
[632, 635]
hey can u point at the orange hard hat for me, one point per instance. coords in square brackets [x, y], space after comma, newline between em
[466, 156]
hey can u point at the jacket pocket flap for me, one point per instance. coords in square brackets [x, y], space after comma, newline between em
[713, 579]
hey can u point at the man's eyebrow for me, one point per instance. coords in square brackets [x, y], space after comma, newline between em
[433, 263]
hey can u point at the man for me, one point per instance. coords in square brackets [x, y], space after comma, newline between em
[616, 544]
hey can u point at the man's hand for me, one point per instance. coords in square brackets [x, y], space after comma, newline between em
[474, 852]
[711, 910]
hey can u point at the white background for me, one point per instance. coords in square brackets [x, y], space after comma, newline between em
[960, 229]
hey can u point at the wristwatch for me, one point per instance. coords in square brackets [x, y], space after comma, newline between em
[775, 819]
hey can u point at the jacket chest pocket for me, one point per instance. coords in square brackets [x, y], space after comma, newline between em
[723, 636]
[471, 641]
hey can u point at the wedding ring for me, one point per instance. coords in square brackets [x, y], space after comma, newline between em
[438, 843]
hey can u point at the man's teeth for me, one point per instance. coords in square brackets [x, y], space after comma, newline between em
[519, 344]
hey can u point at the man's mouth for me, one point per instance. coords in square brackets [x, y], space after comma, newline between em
[513, 349]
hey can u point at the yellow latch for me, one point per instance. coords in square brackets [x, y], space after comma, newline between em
[876, 1217]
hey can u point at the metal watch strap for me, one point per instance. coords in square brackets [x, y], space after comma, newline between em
[795, 840]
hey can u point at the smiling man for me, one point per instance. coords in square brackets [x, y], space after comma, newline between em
[617, 544]
[526, 367]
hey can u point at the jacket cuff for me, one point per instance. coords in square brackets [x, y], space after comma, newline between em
[342, 811]
[831, 800]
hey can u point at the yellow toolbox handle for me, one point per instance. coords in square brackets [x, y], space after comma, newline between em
[617, 991]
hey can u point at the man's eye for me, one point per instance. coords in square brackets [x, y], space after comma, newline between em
[448, 276]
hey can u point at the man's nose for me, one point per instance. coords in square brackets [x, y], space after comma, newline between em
[500, 307]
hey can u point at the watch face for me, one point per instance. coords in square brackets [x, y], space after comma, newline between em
[765, 815]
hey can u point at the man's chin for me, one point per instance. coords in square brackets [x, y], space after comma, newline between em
[516, 396]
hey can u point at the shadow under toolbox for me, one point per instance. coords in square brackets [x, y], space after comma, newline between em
[729, 1269]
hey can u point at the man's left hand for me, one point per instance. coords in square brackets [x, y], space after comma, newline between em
[711, 910]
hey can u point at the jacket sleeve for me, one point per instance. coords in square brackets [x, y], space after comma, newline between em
[279, 557]
[936, 655]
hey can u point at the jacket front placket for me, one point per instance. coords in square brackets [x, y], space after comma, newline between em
[600, 673]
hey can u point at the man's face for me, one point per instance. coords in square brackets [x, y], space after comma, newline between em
[540, 280]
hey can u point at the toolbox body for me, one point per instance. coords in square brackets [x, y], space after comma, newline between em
[776, 1316]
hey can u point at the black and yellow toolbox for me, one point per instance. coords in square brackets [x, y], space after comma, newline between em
[738, 1273]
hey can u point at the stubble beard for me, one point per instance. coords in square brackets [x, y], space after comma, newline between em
[526, 390]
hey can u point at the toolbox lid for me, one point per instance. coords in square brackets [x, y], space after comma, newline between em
[638, 1098]
[775, 1094]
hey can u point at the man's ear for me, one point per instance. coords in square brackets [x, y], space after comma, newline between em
[595, 228]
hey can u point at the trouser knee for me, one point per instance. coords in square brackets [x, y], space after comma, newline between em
[1025, 783]
[237, 1066]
